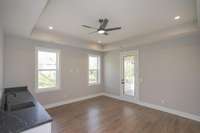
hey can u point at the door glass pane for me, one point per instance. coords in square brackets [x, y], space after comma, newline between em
[46, 79]
[129, 79]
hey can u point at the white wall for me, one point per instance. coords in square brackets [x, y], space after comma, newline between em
[20, 69]
[112, 72]
[170, 71]
[1, 60]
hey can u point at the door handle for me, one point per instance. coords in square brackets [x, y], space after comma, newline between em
[122, 82]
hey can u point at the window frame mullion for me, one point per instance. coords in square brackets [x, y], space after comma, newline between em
[97, 70]
[56, 70]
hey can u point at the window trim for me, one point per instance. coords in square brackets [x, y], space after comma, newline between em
[58, 69]
[98, 70]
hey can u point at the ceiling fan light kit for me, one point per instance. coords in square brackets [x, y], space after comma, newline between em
[102, 28]
[101, 31]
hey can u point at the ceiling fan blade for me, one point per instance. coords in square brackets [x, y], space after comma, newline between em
[111, 29]
[90, 27]
[93, 32]
[104, 24]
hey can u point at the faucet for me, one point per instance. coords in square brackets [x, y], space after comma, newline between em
[6, 99]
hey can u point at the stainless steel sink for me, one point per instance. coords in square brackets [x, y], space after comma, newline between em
[21, 106]
[17, 99]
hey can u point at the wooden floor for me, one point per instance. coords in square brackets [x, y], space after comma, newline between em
[106, 115]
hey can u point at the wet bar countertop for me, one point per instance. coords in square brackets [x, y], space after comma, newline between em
[23, 119]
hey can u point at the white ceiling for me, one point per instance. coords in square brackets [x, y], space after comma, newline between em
[137, 17]
[20, 16]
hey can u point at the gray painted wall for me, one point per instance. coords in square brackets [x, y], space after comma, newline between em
[170, 71]
[112, 72]
[1, 60]
[20, 69]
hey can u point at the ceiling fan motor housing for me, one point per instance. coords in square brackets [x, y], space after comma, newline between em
[102, 28]
[101, 20]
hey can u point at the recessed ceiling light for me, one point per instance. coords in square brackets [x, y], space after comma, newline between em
[177, 17]
[50, 27]
[99, 41]
[101, 31]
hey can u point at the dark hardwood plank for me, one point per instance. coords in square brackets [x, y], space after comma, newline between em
[106, 115]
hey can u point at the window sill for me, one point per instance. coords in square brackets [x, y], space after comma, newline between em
[94, 84]
[46, 90]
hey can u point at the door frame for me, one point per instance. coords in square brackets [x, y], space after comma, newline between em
[134, 99]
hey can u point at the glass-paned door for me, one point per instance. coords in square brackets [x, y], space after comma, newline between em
[129, 75]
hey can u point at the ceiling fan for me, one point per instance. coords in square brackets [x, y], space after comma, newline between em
[102, 28]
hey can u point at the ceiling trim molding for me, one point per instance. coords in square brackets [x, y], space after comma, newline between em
[19, 17]
[42, 11]
[58, 38]
[162, 35]
[198, 12]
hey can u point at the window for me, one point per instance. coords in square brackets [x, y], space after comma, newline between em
[94, 69]
[47, 72]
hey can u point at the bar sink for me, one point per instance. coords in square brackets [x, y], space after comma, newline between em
[21, 106]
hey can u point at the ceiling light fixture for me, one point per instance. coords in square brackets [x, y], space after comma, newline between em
[99, 41]
[50, 27]
[101, 31]
[177, 17]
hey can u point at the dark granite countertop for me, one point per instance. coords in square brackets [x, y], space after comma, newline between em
[24, 119]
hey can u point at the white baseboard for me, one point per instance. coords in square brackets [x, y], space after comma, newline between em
[157, 107]
[118, 98]
[171, 111]
[112, 96]
[72, 101]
